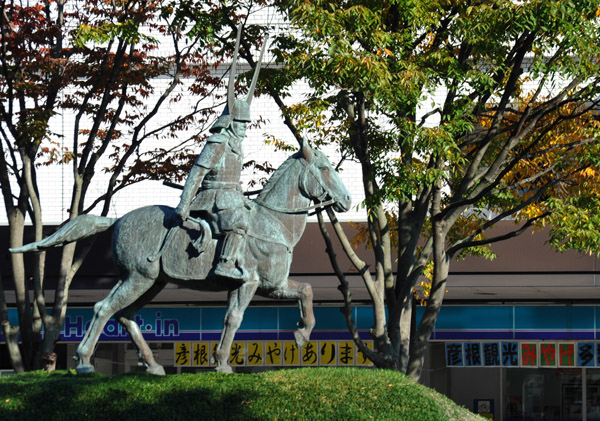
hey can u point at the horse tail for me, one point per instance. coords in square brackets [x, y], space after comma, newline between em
[83, 226]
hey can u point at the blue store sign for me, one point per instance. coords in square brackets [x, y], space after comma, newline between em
[492, 326]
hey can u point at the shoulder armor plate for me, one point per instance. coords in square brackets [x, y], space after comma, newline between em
[217, 138]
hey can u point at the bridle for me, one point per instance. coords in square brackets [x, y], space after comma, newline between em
[302, 182]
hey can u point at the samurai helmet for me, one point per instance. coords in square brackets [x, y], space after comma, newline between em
[236, 109]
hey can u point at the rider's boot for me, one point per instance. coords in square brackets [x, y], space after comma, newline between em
[232, 253]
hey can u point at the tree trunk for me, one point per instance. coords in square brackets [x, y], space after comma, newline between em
[421, 339]
[382, 342]
[11, 334]
[28, 337]
[51, 336]
[405, 329]
[441, 267]
[49, 362]
[434, 305]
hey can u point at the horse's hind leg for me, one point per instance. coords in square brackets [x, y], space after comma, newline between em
[302, 292]
[238, 302]
[127, 319]
[122, 295]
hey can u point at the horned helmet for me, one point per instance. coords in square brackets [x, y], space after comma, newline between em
[236, 109]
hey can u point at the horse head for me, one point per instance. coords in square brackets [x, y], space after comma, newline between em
[320, 182]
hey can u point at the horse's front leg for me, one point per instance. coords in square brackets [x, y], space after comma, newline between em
[238, 299]
[302, 292]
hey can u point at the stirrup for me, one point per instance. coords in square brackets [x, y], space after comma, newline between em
[227, 269]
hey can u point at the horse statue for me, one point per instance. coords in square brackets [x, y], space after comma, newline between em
[153, 246]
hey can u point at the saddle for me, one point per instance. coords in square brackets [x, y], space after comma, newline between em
[190, 253]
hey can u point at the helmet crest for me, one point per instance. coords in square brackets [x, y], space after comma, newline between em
[235, 109]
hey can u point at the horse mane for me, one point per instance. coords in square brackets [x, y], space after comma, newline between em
[279, 172]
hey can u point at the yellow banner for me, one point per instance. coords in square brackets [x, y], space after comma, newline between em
[182, 353]
[273, 353]
[237, 355]
[291, 355]
[201, 354]
[362, 358]
[256, 353]
[328, 351]
[310, 354]
[346, 353]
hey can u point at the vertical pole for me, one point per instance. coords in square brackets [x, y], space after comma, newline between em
[584, 394]
[501, 403]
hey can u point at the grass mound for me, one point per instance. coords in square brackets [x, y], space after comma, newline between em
[308, 393]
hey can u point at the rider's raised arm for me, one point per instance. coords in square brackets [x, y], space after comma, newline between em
[209, 157]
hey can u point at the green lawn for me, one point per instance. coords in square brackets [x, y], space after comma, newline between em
[306, 394]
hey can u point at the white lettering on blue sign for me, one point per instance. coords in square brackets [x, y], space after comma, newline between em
[75, 327]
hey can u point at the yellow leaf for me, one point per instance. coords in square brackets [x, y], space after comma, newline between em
[589, 172]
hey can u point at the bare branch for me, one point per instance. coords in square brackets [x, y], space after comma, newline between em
[345, 290]
[515, 233]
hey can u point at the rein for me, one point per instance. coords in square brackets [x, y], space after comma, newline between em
[301, 185]
[304, 209]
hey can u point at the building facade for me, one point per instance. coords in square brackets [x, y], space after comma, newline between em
[517, 337]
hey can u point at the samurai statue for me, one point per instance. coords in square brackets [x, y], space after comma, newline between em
[212, 189]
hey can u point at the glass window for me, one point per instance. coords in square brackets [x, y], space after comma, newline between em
[543, 394]
[593, 394]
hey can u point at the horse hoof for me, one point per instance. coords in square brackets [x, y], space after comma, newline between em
[224, 369]
[84, 369]
[158, 370]
[301, 339]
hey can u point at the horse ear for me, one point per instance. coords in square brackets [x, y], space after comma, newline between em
[307, 152]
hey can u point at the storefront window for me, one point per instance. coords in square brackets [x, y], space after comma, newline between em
[593, 394]
[543, 394]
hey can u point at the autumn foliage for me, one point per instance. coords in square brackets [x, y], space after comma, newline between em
[109, 69]
[461, 114]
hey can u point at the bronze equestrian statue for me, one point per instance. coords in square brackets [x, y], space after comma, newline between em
[155, 245]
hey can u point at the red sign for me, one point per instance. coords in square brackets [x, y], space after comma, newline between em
[529, 355]
[567, 355]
